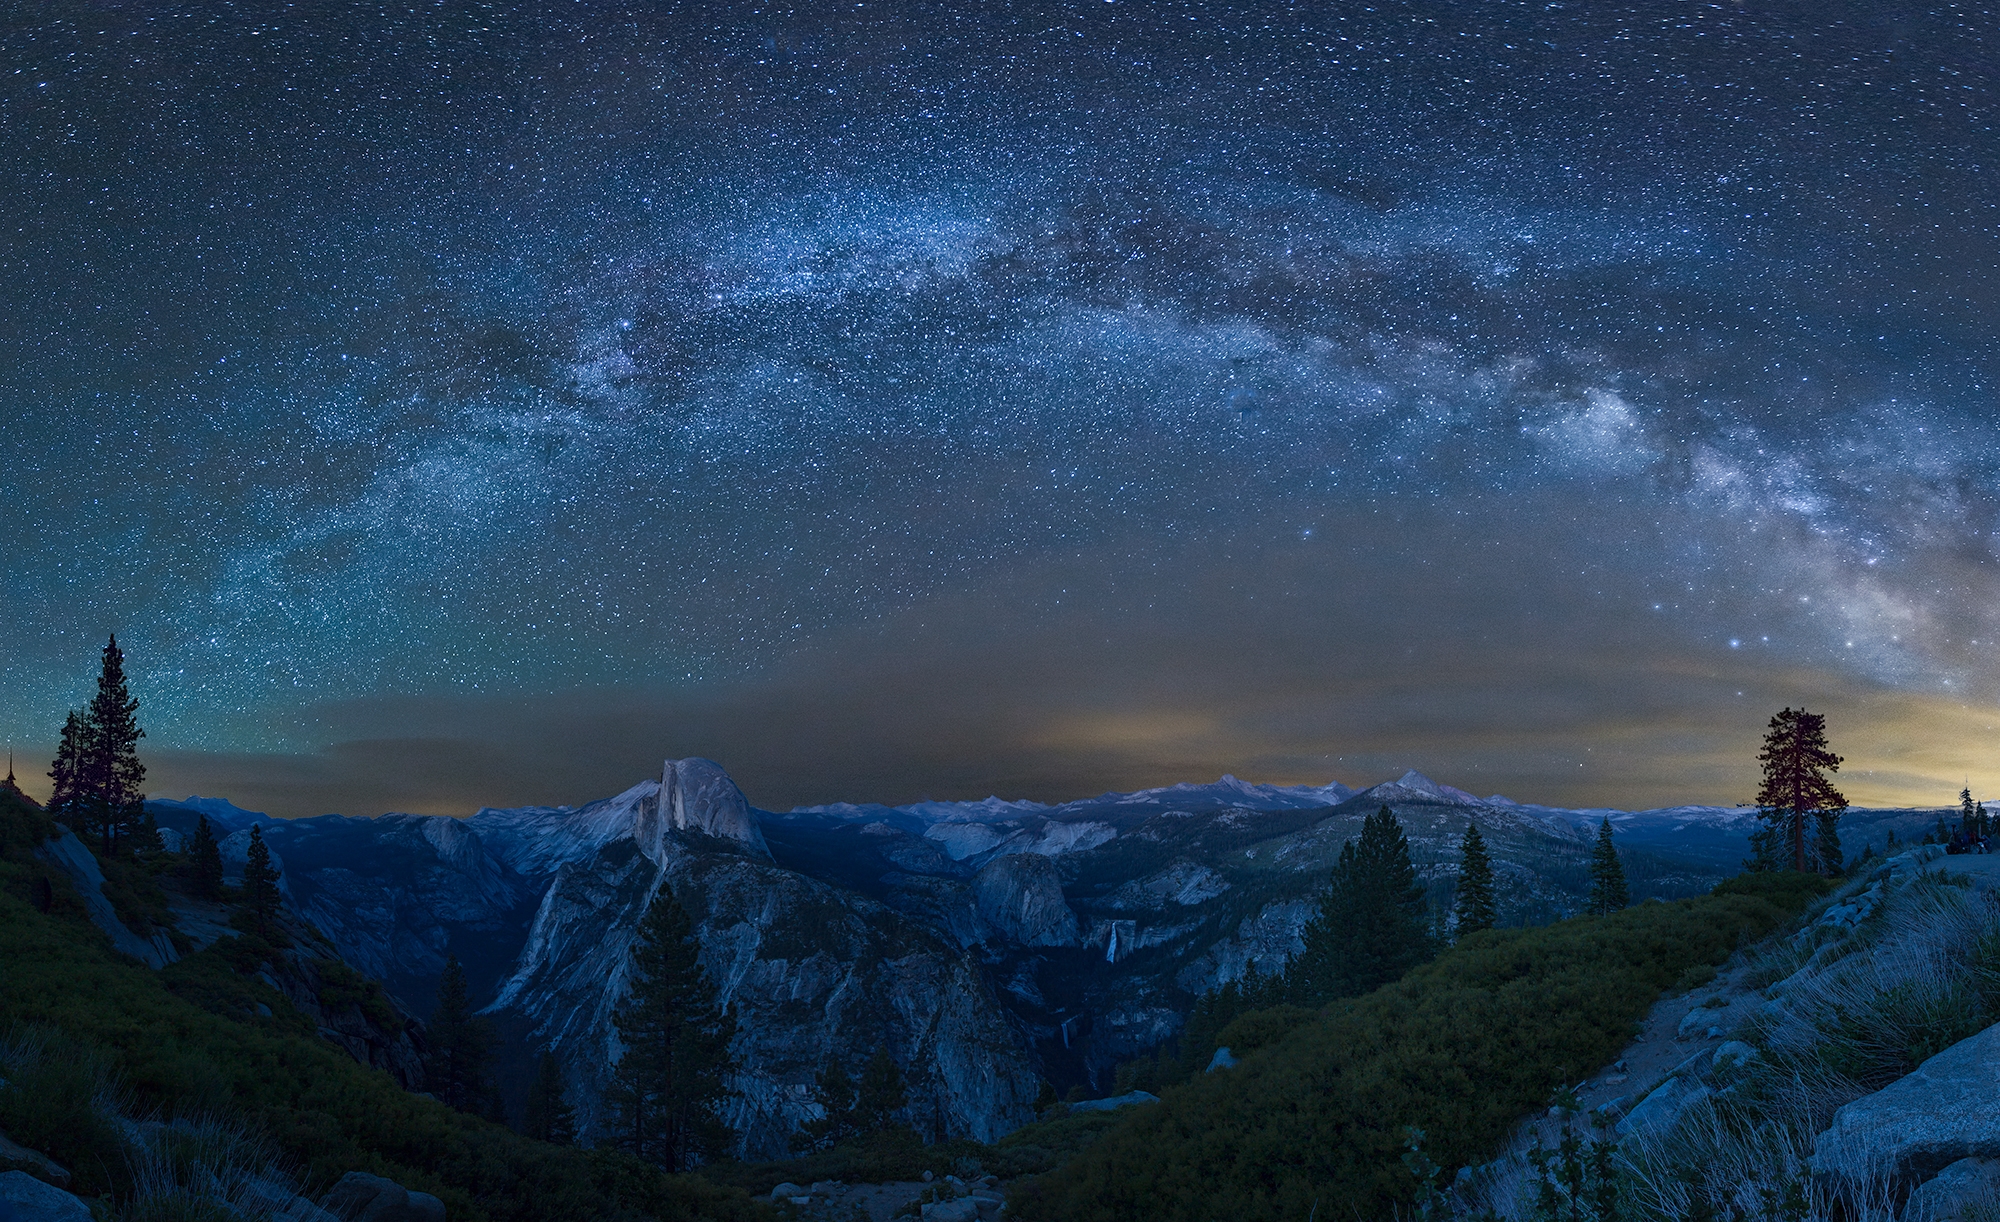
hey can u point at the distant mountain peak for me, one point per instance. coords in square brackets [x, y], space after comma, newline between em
[1414, 785]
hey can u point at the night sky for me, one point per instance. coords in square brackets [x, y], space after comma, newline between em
[467, 404]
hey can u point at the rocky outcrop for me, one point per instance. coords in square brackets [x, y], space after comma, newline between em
[360, 1197]
[1947, 1109]
[1964, 1190]
[23, 1198]
[68, 854]
[698, 796]
[1021, 896]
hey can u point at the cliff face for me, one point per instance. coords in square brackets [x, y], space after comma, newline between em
[985, 945]
[815, 973]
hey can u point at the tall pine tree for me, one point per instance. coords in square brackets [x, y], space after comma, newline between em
[204, 861]
[66, 775]
[1371, 925]
[1796, 800]
[1608, 892]
[880, 1094]
[839, 1119]
[110, 770]
[666, 1088]
[1475, 909]
[459, 1047]
[260, 879]
[549, 1116]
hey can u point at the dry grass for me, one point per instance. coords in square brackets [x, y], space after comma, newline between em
[1842, 1025]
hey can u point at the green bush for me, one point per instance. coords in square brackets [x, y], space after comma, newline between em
[1461, 1048]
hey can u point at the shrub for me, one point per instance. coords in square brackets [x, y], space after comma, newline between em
[1460, 1048]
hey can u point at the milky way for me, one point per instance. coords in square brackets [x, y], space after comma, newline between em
[472, 405]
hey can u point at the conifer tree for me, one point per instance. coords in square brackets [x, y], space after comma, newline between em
[460, 1047]
[1475, 909]
[1608, 892]
[260, 880]
[1371, 925]
[838, 1120]
[667, 1086]
[549, 1116]
[205, 860]
[880, 1093]
[66, 774]
[110, 771]
[1968, 815]
[1797, 802]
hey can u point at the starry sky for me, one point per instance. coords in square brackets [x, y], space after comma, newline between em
[457, 404]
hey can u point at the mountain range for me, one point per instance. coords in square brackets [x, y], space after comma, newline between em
[989, 946]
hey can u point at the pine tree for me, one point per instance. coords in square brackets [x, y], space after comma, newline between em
[260, 880]
[110, 771]
[1608, 892]
[839, 1118]
[1475, 909]
[880, 1093]
[460, 1047]
[1371, 924]
[204, 859]
[549, 1116]
[66, 774]
[1797, 802]
[666, 1087]
[1968, 816]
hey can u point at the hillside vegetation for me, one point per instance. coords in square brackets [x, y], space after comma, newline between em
[1317, 1115]
[90, 1036]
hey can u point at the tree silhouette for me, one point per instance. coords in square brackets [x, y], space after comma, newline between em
[205, 860]
[111, 772]
[66, 774]
[1797, 802]
[1475, 909]
[460, 1047]
[1608, 892]
[549, 1116]
[667, 1086]
[260, 880]
[880, 1095]
[838, 1120]
[1370, 928]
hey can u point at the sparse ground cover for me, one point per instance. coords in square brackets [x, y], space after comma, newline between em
[1731, 1087]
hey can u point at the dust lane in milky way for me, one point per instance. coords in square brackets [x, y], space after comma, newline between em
[472, 407]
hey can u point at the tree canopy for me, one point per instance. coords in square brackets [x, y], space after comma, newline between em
[96, 775]
[1371, 925]
[667, 1085]
[1797, 801]
[1608, 892]
[1474, 908]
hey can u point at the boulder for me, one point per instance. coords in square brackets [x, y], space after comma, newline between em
[786, 1191]
[1021, 895]
[958, 1209]
[1967, 1188]
[1735, 1052]
[1223, 1059]
[23, 1198]
[1946, 1110]
[360, 1197]
[1657, 1112]
[44, 1167]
